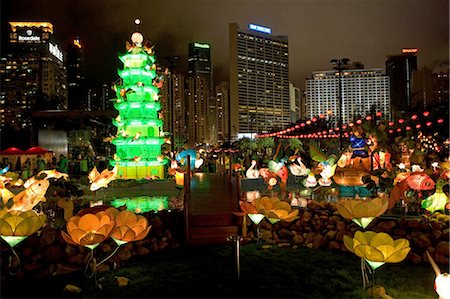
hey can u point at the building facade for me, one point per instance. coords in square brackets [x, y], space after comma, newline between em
[33, 77]
[223, 114]
[363, 91]
[259, 81]
[76, 76]
[294, 99]
[399, 69]
[199, 94]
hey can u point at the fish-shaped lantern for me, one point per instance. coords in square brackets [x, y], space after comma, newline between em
[30, 197]
[99, 180]
[5, 194]
[55, 174]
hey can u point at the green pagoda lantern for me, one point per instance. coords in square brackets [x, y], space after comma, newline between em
[139, 128]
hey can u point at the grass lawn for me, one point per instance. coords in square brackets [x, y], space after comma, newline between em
[208, 271]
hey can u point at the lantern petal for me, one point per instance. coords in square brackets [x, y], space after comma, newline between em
[398, 256]
[143, 234]
[25, 227]
[68, 238]
[292, 216]
[126, 218]
[92, 239]
[401, 243]
[88, 222]
[5, 228]
[280, 213]
[282, 205]
[373, 254]
[348, 242]
[381, 239]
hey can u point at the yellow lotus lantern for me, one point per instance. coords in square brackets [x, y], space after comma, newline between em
[362, 212]
[90, 229]
[16, 226]
[129, 227]
[377, 248]
[275, 209]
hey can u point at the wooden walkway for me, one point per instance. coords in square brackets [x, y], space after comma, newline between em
[212, 203]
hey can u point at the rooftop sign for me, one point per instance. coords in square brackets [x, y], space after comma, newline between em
[260, 28]
[409, 51]
[199, 45]
[55, 51]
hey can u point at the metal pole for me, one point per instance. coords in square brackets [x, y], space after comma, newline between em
[237, 250]
[340, 106]
[187, 198]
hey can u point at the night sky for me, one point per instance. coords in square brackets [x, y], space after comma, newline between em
[318, 30]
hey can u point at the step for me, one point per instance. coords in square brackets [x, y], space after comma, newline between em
[212, 220]
[206, 232]
[211, 235]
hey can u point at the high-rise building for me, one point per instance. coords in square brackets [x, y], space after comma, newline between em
[428, 88]
[399, 68]
[175, 84]
[294, 98]
[259, 80]
[33, 76]
[363, 91]
[76, 76]
[199, 94]
[223, 115]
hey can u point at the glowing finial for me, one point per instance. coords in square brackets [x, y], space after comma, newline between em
[137, 21]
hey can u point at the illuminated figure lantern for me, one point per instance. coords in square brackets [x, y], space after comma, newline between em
[358, 145]
[138, 142]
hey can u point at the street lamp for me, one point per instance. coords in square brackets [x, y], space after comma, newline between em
[338, 66]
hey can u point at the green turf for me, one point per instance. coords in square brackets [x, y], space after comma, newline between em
[209, 271]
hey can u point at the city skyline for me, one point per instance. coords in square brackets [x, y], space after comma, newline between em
[318, 31]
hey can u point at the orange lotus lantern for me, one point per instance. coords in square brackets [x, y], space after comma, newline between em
[275, 210]
[90, 229]
[362, 212]
[129, 227]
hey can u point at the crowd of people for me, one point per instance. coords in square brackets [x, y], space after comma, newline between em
[31, 167]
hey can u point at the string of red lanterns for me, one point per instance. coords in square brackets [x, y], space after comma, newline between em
[330, 133]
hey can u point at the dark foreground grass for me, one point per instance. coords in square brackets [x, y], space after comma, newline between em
[209, 271]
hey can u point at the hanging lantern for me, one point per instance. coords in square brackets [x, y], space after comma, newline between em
[379, 114]
[368, 117]
[426, 113]
[418, 126]
[359, 121]
[391, 123]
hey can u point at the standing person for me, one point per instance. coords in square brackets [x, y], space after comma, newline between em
[63, 165]
[53, 163]
[26, 169]
[83, 165]
[40, 164]
[6, 163]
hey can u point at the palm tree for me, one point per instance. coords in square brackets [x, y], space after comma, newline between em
[264, 144]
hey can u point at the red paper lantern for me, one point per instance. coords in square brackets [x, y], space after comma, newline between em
[399, 130]
[379, 113]
[391, 123]
[440, 121]
[429, 123]
[368, 117]
[314, 119]
[297, 126]
[359, 121]
[391, 131]
[414, 117]
[426, 113]
[351, 124]
[302, 124]
[408, 128]
[418, 126]
[308, 122]
[401, 120]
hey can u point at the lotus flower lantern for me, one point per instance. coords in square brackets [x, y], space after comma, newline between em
[362, 212]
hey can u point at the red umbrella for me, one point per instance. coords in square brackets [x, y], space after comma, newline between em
[36, 150]
[12, 151]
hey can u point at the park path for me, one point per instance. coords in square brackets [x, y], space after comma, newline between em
[213, 199]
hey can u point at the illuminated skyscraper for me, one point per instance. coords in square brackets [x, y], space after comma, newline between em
[32, 77]
[362, 92]
[223, 115]
[399, 68]
[259, 80]
[75, 75]
[199, 93]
